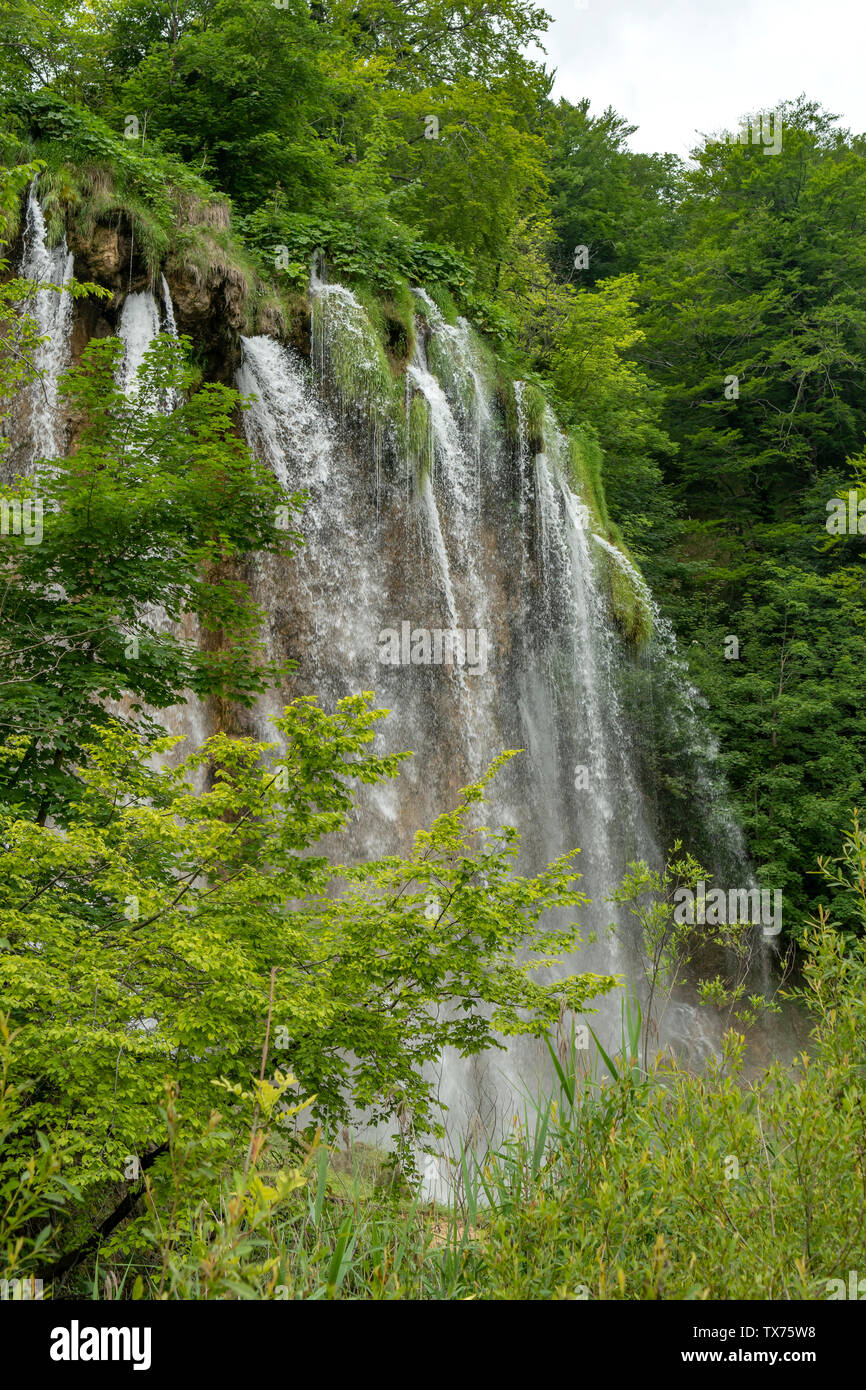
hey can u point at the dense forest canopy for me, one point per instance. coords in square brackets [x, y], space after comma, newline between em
[419, 142]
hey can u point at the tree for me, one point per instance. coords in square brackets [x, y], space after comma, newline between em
[756, 335]
[240, 93]
[600, 385]
[155, 937]
[148, 510]
[620, 205]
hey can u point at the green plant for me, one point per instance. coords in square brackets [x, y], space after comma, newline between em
[34, 1192]
[667, 944]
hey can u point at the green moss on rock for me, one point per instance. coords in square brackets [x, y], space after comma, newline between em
[420, 437]
[349, 354]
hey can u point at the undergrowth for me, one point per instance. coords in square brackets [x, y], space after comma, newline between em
[618, 1183]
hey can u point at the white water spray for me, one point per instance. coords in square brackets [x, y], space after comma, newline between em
[52, 311]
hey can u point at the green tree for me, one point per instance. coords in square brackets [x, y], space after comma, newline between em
[600, 384]
[620, 205]
[150, 509]
[242, 93]
[154, 938]
[756, 335]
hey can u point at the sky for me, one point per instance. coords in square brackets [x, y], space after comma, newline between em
[675, 68]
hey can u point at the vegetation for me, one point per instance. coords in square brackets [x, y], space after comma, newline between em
[621, 1183]
[143, 916]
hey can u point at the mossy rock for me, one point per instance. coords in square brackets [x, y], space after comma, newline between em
[420, 437]
[351, 352]
[535, 409]
[392, 319]
[585, 464]
[630, 609]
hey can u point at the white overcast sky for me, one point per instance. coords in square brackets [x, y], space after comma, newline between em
[677, 67]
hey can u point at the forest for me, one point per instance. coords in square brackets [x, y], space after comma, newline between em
[400, 290]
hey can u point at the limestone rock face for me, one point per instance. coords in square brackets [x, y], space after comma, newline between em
[210, 301]
[211, 308]
[104, 256]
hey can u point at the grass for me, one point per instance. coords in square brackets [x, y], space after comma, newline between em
[392, 318]
[420, 437]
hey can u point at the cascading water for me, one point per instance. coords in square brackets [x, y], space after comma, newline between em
[458, 526]
[43, 428]
[451, 549]
[168, 308]
[141, 319]
[139, 325]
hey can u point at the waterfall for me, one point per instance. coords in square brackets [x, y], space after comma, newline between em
[685, 706]
[141, 319]
[437, 512]
[430, 513]
[453, 550]
[52, 311]
[291, 430]
[170, 325]
[139, 325]
[454, 479]
[472, 530]
[348, 358]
